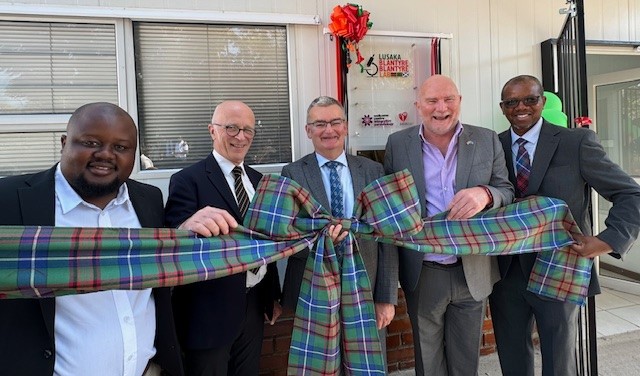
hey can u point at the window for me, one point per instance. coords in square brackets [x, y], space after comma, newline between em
[47, 70]
[184, 70]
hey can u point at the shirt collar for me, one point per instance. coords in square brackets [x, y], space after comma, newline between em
[531, 135]
[225, 165]
[456, 134]
[70, 199]
[342, 159]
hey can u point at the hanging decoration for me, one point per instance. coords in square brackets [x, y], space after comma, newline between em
[350, 24]
[583, 121]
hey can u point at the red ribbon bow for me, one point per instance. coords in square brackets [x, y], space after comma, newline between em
[351, 23]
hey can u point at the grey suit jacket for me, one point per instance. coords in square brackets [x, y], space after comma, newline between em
[480, 162]
[565, 164]
[381, 261]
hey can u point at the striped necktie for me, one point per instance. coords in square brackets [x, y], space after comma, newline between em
[241, 193]
[523, 168]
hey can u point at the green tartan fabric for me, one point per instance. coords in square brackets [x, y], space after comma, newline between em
[334, 326]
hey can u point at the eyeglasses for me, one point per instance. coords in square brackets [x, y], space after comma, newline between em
[528, 101]
[321, 124]
[233, 130]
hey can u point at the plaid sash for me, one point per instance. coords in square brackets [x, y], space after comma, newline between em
[335, 326]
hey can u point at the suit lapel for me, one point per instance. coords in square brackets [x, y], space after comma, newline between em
[545, 149]
[41, 189]
[416, 165]
[313, 178]
[357, 175]
[505, 139]
[466, 151]
[219, 182]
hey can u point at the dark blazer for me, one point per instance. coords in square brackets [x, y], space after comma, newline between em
[566, 163]
[209, 314]
[27, 344]
[480, 162]
[381, 261]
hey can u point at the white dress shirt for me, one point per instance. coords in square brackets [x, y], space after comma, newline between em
[107, 332]
[226, 166]
[345, 181]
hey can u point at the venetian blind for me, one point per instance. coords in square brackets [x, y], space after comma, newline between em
[49, 68]
[184, 70]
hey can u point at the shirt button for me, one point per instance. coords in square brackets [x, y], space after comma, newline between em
[47, 354]
[127, 319]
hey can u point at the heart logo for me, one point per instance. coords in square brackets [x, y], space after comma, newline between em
[403, 116]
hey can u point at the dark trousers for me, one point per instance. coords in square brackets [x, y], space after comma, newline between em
[240, 357]
[513, 310]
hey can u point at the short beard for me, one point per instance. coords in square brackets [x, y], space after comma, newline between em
[87, 190]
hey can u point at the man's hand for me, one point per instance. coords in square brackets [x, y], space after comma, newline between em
[467, 203]
[590, 246]
[336, 234]
[277, 311]
[210, 221]
[384, 314]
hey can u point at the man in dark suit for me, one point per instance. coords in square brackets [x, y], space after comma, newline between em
[460, 168]
[327, 128]
[220, 322]
[101, 333]
[560, 163]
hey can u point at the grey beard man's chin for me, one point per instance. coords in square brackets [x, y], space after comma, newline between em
[88, 190]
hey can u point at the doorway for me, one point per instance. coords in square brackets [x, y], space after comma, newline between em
[613, 79]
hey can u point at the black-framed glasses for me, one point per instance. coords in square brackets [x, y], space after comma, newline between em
[321, 124]
[527, 101]
[232, 130]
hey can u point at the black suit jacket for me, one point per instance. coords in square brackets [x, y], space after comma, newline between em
[27, 344]
[209, 314]
[566, 163]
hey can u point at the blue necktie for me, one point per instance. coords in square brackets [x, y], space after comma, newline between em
[337, 202]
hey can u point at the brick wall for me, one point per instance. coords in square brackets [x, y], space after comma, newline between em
[275, 346]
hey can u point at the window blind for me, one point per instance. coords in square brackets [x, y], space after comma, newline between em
[184, 70]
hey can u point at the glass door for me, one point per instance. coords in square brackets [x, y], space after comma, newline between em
[616, 100]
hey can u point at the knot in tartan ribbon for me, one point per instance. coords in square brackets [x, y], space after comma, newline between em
[335, 324]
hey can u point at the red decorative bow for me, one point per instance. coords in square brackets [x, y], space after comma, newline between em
[351, 23]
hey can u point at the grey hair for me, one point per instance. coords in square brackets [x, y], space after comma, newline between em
[324, 101]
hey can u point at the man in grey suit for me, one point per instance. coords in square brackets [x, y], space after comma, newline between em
[460, 168]
[327, 128]
[563, 163]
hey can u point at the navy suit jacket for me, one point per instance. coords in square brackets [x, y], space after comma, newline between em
[209, 314]
[27, 343]
[566, 163]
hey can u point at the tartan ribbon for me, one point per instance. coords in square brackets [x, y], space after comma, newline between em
[335, 326]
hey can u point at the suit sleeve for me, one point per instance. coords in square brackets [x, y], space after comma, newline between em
[182, 201]
[499, 185]
[615, 185]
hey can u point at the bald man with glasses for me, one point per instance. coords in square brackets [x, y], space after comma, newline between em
[220, 322]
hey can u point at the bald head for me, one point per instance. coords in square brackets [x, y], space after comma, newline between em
[228, 118]
[439, 107]
[98, 151]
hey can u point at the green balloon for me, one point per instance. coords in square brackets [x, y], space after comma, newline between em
[556, 117]
[553, 101]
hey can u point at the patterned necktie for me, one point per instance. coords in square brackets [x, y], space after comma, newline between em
[241, 193]
[242, 197]
[523, 168]
[337, 203]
